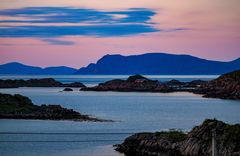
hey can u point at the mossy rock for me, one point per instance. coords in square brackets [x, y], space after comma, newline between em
[172, 135]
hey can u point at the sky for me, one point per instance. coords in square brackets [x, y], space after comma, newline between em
[75, 33]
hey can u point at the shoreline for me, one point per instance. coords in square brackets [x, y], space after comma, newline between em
[21, 107]
[196, 142]
[216, 88]
[226, 86]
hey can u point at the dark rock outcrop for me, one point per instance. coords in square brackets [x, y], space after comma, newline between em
[197, 82]
[143, 84]
[45, 82]
[174, 82]
[67, 89]
[133, 83]
[176, 143]
[21, 107]
[226, 86]
[74, 85]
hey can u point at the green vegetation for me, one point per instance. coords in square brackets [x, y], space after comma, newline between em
[172, 135]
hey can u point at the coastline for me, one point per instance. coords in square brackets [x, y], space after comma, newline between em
[226, 86]
[153, 106]
[21, 107]
[197, 142]
[216, 88]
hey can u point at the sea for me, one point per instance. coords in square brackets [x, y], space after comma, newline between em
[132, 112]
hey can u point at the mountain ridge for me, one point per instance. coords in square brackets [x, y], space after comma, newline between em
[146, 64]
[158, 64]
[17, 68]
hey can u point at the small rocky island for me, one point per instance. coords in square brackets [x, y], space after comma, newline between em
[139, 83]
[45, 82]
[21, 107]
[198, 142]
[226, 86]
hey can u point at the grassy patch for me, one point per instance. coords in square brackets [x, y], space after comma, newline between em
[172, 135]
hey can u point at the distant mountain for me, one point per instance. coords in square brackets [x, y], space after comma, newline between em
[21, 69]
[158, 63]
[146, 64]
[59, 70]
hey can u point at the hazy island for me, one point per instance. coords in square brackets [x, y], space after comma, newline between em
[21, 107]
[197, 142]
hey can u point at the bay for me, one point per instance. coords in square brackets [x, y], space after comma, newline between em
[132, 112]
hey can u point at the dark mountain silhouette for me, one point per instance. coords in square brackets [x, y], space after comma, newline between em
[59, 70]
[158, 63]
[18, 68]
[146, 64]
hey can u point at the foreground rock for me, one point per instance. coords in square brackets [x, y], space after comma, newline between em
[175, 143]
[46, 82]
[21, 107]
[226, 86]
[142, 84]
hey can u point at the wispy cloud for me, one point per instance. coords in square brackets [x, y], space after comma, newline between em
[59, 31]
[49, 23]
[77, 15]
[57, 41]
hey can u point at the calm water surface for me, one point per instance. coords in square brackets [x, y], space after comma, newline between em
[133, 112]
